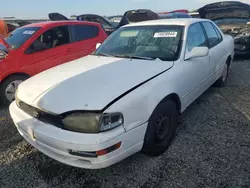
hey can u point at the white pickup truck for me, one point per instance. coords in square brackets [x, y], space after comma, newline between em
[127, 96]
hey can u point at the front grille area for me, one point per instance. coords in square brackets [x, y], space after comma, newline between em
[41, 115]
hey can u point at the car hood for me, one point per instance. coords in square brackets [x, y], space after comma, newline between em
[89, 83]
[225, 9]
[234, 29]
[54, 16]
[133, 16]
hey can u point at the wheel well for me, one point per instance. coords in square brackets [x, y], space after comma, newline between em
[176, 99]
[16, 74]
[229, 59]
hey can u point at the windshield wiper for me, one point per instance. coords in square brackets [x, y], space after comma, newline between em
[102, 54]
[134, 57]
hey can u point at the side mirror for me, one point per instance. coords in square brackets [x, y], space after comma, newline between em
[197, 52]
[97, 45]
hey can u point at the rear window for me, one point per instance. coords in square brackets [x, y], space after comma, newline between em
[84, 32]
[19, 36]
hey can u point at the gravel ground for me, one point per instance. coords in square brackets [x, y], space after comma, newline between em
[211, 149]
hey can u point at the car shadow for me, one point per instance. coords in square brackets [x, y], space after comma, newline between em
[42, 168]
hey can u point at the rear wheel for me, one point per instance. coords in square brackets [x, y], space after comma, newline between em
[8, 88]
[223, 79]
[161, 128]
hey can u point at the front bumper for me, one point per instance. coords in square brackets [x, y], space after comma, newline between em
[56, 143]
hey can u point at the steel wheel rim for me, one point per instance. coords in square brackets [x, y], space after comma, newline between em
[11, 89]
[163, 128]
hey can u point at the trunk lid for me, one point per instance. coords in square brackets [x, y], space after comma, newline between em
[57, 17]
[138, 15]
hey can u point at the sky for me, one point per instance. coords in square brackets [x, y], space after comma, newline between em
[40, 8]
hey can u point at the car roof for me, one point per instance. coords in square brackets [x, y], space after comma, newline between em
[51, 23]
[179, 21]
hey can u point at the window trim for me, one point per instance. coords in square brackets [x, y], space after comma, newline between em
[71, 28]
[218, 32]
[210, 47]
[70, 40]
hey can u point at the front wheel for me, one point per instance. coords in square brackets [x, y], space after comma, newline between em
[9, 87]
[161, 128]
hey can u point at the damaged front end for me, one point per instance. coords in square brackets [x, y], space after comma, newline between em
[233, 19]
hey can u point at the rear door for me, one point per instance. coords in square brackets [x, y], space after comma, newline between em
[217, 52]
[55, 42]
[84, 40]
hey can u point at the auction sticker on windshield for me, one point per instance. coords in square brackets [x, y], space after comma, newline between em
[28, 32]
[165, 34]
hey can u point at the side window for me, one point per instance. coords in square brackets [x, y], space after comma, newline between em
[195, 37]
[84, 32]
[212, 36]
[218, 33]
[52, 38]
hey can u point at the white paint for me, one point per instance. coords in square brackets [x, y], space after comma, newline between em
[92, 82]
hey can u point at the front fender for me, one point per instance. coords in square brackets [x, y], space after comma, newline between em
[138, 105]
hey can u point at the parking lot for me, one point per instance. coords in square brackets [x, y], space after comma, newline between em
[211, 149]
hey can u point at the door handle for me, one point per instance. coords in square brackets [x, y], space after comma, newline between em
[210, 59]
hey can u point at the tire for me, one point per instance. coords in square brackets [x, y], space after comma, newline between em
[223, 79]
[12, 82]
[161, 129]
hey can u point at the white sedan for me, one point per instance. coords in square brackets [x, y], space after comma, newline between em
[127, 96]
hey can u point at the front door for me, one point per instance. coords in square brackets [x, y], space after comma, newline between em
[196, 69]
[49, 49]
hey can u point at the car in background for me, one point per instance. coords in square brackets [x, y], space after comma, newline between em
[114, 20]
[194, 14]
[174, 15]
[139, 15]
[126, 96]
[107, 26]
[233, 18]
[14, 24]
[36, 47]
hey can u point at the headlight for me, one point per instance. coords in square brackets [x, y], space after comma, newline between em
[92, 122]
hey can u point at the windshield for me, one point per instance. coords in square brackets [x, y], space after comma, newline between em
[231, 21]
[145, 42]
[19, 36]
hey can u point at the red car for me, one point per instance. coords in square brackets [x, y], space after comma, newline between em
[36, 47]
